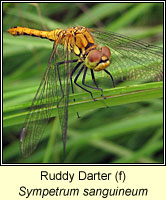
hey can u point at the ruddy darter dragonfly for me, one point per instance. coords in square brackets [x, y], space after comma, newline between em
[94, 51]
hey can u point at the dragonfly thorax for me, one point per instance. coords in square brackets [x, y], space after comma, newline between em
[82, 44]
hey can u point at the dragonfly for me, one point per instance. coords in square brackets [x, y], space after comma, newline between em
[76, 51]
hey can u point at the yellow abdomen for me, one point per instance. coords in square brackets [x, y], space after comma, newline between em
[50, 35]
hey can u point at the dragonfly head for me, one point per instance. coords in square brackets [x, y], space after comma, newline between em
[98, 59]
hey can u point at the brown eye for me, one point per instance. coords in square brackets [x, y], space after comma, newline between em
[105, 50]
[95, 56]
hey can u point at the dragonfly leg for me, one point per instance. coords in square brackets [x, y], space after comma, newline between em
[110, 76]
[75, 81]
[59, 77]
[93, 78]
[75, 68]
[68, 61]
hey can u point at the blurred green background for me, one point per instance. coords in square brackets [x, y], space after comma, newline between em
[127, 133]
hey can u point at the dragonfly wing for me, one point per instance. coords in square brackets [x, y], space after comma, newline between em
[130, 58]
[63, 71]
[40, 110]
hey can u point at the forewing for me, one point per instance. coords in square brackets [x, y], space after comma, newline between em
[131, 59]
[40, 110]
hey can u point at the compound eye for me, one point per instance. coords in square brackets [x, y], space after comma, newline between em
[106, 51]
[95, 56]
